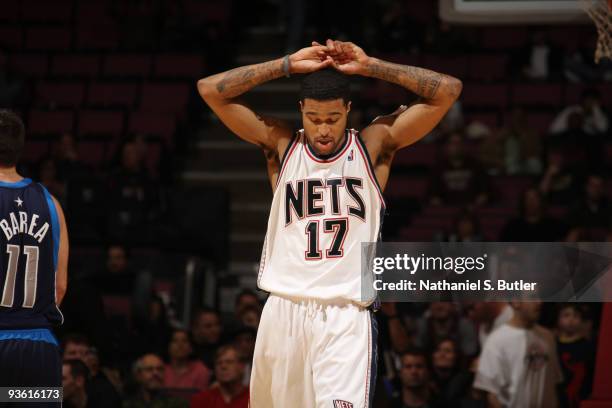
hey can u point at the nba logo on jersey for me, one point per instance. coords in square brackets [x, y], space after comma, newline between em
[342, 404]
[350, 156]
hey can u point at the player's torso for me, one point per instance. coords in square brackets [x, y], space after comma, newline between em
[321, 212]
[29, 240]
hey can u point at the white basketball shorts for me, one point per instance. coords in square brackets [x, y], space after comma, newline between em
[314, 354]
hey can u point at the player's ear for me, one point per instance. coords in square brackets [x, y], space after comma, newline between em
[348, 106]
[301, 106]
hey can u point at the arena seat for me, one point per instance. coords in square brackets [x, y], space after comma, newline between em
[48, 38]
[503, 38]
[100, 124]
[62, 94]
[178, 66]
[35, 65]
[420, 154]
[36, 150]
[487, 96]
[491, 119]
[127, 65]
[44, 11]
[162, 125]
[452, 65]
[92, 152]
[11, 38]
[112, 94]
[407, 186]
[164, 97]
[487, 67]
[74, 65]
[541, 95]
[44, 122]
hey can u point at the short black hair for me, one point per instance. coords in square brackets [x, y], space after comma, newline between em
[12, 138]
[77, 368]
[325, 85]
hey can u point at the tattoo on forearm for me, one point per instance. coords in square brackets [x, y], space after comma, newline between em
[239, 80]
[421, 81]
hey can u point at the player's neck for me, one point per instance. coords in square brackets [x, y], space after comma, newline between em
[9, 175]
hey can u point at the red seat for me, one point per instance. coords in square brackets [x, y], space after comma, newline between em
[58, 11]
[437, 223]
[11, 11]
[402, 186]
[61, 94]
[75, 65]
[92, 152]
[488, 67]
[44, 122]
[132, 65]
[510, 189]
[162, 125]
[440, 211]
[420, 154]
[537, 94]
[163, 97]
[491, 119]
[218, 12]
[112, 94]
[29, 64]
[503, 38]
[11, 37]
[483, 95]
[97, 35]
[117, 306]
[100, 123]
[452, 65]
[34, 151]
[153, 155]
[178, 66]
[48, 38]
[539, 121]
[417, 234]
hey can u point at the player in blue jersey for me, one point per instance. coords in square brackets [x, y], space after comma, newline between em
[33, 270]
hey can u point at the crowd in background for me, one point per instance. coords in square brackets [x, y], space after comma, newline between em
[430, 355]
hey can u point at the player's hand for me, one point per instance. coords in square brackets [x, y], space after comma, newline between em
[347, 57]
[309, 59]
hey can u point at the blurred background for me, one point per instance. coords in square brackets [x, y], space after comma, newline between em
[167, 209]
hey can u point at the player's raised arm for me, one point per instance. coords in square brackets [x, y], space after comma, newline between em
[61, 274]
[222, 91]
[407, 125]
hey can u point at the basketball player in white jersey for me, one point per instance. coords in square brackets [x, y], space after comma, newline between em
[316, 340]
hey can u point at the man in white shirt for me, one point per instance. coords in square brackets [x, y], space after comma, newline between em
[518, 366]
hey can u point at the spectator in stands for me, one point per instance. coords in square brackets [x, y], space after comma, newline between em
[415, 390]
[488, 316]
[576, 355]
[247, 310]
[206, 330]
[443, 321]
[591, 215]
[99, 385]
[133, 198]
[518, 366]
[153, 328]
[450, 381]
[183, 371]
[559, 184]
[244, 341]
[118, 277]
[539, 59]
[48, 176]
[594, 119]
[148, 373]
[66, 157]
[459, 179]
[532, 224]
[466, 228]
[229, 391]
[74, 383]
[515, 149]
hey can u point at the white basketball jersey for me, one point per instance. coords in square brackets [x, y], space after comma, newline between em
[322, 210]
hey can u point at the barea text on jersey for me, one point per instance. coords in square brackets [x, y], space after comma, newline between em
[20, 224]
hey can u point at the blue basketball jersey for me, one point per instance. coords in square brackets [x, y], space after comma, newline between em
[29, 245]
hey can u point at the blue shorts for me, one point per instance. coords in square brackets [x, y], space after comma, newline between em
[29, 358]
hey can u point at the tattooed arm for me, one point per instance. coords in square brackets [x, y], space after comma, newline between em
[221, 92]
[407, 125]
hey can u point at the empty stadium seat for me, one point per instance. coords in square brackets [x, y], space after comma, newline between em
[56, 11]
[29, 64]
[92, 152]
[34, 151]
[11, 38]
[549, 95]
[161, 125]
[87, 66]
[485, 95]
[62, 94]
[128, 65]
[488, 67]
[404, 186]
[164, 97]
[99, 35]
[419, 154]
[503, 38]
[105, 124]
[112, 94]
[491, 119]
[452, 65]
[48, 38]
[46, 123]
[178, 66]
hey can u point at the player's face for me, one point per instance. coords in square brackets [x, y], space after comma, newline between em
[445, 355]
[228, 367]
[414, 371]
[324, 123]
